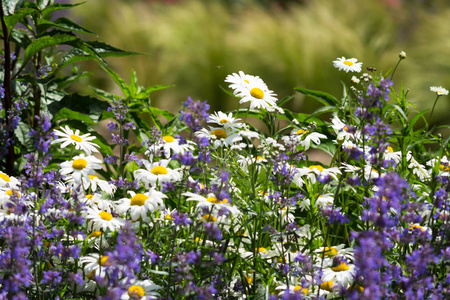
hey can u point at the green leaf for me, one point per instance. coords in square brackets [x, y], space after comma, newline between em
[42, 4]
[415, 119]
[301, 118]
[12, 20]
[57, 6]
[134, 87]
[46, 41]
[62, 23]
[321, 110]
[66, 113]
[104, 94]
[146, 93]
[285, 100]
[120, 82]
[22, 133]
[322, 97]
[91, 107]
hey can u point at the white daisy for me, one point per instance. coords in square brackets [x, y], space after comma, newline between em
[242, 80]
[391, 155]
[94, 183]
[439, 90]
[156, 173]
[220, 136]
[97, 201]
[81, 142]
[224, 120]
[8, 181]
[140, 204]
[211, 202]
[339, 250]
[94, 265]
[141, 289]
[170, 144]
[418, 169]
[102, 220]
[342, 274]
[347, 64]
[81, 167]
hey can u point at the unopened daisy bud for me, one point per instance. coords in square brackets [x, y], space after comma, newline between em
[402, 55]
[355, 80]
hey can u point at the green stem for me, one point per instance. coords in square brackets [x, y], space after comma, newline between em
[432, 110]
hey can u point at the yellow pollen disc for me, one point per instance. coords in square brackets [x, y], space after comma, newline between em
[104, 261]
[260, 249]
[138, 199]
[92, 177]
[249, 279]
[327, 285]
[442, 167]
[136, 292]
[219, 133]
[348, 63]
[212, 200]
[5, 177]
[168, 217]
[258, 158]
[257, 93]
[89, 196]
[390, 150]
[346, 128]
[79, 164]
[223, 121]
[159, 170]
[168, 139]
[197, 239]
[11, 192]
[76, 138]
[301, 131]
[330, 252]
[358, 288]
[342, 267]
[318, 167]
[209, 218]
[414, 226]
[299, 288]
[105, 216]
[95, 234]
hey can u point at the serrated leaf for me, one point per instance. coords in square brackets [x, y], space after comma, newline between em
[22, 133]
[46, 41]
[86, 105]
[160, 112]
[66, 113]
[146, 93]
[104, 94]
[62, 23]
[12, 20]
[322, 97]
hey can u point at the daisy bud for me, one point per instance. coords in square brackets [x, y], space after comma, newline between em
[402, 55]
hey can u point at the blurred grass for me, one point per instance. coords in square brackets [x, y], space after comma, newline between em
[195, 44]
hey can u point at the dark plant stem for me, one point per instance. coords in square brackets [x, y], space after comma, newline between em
[37, 96]
[7, 102]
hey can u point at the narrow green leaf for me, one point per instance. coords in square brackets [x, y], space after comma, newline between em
[62, 23]
[66, 113]
[133, 84]
[160, 112]
[104, 94]
[322, 97]
[57, 6]
[12, 20]
[120, 82]
[321, 110]
[145, 94]
[44, 42]
[285, 100]
[415, 119]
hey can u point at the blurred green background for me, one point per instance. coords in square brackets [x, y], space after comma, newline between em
[195, 44]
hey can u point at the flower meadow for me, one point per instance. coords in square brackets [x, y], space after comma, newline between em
[205, 204]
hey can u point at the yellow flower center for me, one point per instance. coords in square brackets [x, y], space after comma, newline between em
[12, 192]
[219, 133]
[390, 150]
[301, 131]
[159, 170]
[136, 292]
[95, 234]
[76, 138]
[330, 252]
[259, 158]
[79, 164]
[257, 93]
[260, 249]
[299, 288]
[168, 139]
[357, 288]
[5, 177]
[105, 216]
[345, 128]
[138, 199]
[223, 121]
[249, 279]
[414, 226]
[197, 239]
[104, 261]
[442, 167]
[348, 63]
[168, 217]
[327, 285]
[318, 167]
[342, 267]
[209, 218]
[216, 201]
[92, 177]
[89, 196]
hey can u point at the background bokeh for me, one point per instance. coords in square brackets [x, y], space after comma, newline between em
[195, 44]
